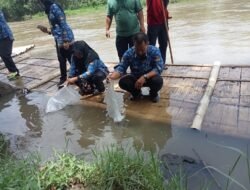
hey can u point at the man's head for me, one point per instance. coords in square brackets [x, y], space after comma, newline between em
[141, 44]
[47, 4]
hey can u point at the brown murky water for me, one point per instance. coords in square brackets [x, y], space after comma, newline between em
[201, 32]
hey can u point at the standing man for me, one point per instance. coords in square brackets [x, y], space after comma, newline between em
[6, 45]
[62, 34]
[156, 10]
[146, 66]
[129, 21]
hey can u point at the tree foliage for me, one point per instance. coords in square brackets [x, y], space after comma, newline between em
[15, 10]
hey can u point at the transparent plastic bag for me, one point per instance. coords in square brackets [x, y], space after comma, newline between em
[115, 103]
[65, 96]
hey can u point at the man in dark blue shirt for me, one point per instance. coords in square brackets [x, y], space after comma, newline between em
[6, 45]
[62, 34]
[146, 66]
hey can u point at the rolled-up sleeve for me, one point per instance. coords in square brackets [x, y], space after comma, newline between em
[92, 67]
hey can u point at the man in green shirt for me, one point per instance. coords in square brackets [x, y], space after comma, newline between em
[129, 21]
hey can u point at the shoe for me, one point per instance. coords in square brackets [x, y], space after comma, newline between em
[155, 99]
[13, 75]
[60, 83]
[135, 98]
[165, 67]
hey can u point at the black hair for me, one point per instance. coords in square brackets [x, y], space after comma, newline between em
[82, 48]
[47, 4]
[140, 37]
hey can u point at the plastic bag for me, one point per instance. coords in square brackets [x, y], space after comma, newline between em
[115, 103]
[65, 96]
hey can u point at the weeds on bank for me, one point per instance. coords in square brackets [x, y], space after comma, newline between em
[114, 168]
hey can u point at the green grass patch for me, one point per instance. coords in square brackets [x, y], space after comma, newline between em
[114, 168]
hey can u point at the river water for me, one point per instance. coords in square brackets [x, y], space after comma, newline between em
[201, 32]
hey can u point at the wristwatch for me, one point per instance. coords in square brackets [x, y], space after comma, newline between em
[145, 76]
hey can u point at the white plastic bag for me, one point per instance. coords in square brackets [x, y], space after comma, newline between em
[65, 96]
[115, 103]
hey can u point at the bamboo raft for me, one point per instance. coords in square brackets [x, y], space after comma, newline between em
[228, 109]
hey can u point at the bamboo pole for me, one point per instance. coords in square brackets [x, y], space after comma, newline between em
[201, 111]
[167, 30]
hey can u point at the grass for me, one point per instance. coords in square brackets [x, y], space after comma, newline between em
[113, 168]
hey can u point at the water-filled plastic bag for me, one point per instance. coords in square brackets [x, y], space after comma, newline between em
[115, 103]
[65, 96]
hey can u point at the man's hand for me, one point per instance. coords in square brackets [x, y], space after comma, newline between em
[142, 28]
[72, 80]
[43, 29]
[108, 33]
[140, 82]
[113, 76]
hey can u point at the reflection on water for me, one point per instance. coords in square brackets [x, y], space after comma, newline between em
[86, 127]
[212, 150]
[81, 129]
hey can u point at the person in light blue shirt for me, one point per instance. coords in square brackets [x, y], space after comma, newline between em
[87, 70]
[62, 34]
[6, 45]
[146, 65]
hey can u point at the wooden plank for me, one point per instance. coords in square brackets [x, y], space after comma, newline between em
[229, 116]
[245, 101]
[230, 73]
[41, 62]
[213, 115]
[37, 71]
[235, 73]
[46, 86]
[245, 74]
[244, 114]
[226, 92]
[245, 86]
[187, 72]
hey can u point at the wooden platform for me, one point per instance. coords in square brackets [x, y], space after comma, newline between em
[184, 85]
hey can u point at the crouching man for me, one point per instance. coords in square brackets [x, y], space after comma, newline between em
[87, 71]
[146, 65]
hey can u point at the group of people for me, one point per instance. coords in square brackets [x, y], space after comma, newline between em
[136, 49]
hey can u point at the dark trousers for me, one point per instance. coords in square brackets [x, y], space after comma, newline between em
[123, 44]
[127, 83]
[6, 46]
[159, 31]
[95, 80]
[63, 56]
